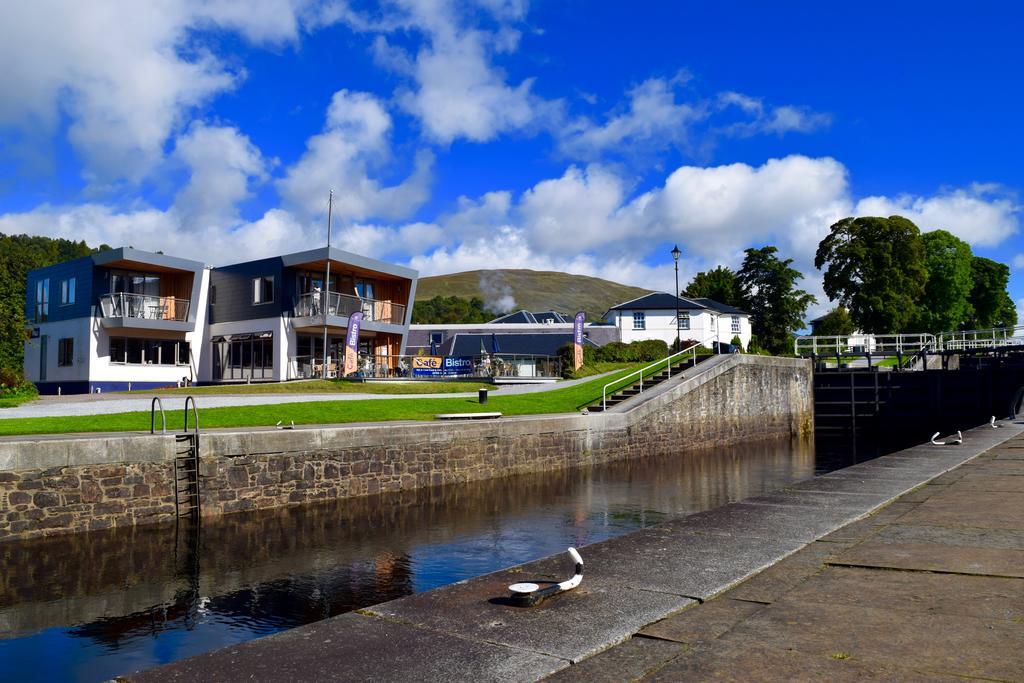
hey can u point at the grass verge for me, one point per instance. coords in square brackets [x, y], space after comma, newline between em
[565, 400]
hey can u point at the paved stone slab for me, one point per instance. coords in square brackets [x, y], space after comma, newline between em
[934, 558]
[572, 626]
[998, 467]
[985, 509]
[743, 662]
[853, 501]
[625, 662]
[702, 623]
[921, 494]
[353, 647]
[765, 521]
[988, 482]
[780, 578]
[929, 643]
[969, 537]
[974, 596]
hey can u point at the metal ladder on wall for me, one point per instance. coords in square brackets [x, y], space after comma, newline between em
[186, 460]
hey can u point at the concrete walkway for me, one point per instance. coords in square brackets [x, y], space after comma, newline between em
[105, 404]
[648, 604]
[929, 588]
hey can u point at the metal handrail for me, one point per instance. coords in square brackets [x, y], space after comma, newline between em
[876, 344]
[982, 339]
[152, 416]
[144, 306]
[312, 304]
[667, 360]
[195, 412]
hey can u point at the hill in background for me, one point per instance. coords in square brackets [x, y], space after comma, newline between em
[533, 290]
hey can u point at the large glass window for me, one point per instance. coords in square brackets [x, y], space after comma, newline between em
[67, 291]
[639, 320]
[131, 282]
[149, 351]
[43, 300]
[65, 352]
[244, 356]
[263, 289]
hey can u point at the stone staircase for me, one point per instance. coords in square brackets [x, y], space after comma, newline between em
[631, 390]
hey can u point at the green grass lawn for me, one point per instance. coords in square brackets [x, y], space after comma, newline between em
[320, 386]
[564, 400]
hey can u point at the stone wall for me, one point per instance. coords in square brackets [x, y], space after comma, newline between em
[724, 400]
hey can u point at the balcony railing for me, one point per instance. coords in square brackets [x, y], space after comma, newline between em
[144, 307]
[312, 305]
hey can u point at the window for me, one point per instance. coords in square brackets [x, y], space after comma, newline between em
[247, 356]
[639, 321]
[65, 352]
[436, 337]
[67, 291]
[263, 289]
[42, 300]
[684, 321]
[148, 351]
[736, 324]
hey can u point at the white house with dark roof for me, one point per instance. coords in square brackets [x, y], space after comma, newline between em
[653, 316]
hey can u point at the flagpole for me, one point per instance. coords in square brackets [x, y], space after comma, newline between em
[327, 280]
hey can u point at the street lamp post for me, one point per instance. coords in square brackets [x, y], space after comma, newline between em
[675, 257]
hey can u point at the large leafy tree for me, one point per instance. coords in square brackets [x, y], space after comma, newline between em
[768, 288]
[835, 323]
[875, 268]
[18, 255]
[451, 309]
[990, 302]
[945, 304]
[719, 284]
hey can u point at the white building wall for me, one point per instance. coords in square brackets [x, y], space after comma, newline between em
[705, 327]
[77, 329]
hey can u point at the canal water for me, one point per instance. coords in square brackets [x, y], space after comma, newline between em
[90, 607]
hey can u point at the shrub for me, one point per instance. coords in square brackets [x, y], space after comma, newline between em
[14, 385]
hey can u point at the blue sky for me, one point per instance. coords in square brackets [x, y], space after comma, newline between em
[579, 136]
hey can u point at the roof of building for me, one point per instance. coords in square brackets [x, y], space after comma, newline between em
[545, 317]
[720, 307]
[663, 301]
[537, 344]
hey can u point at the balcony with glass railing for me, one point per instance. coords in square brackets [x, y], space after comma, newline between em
[313, 304]
[139, 307]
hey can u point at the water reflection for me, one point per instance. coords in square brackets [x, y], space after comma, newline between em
[92, 606]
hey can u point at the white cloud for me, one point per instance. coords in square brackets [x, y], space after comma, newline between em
[222, 163]
[653, 116]
[458, 92]
[768, 119]
[126, 74]
[979, 214]
[658, 116]
[355, 138]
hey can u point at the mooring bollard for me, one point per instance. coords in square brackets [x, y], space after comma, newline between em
[482, 394]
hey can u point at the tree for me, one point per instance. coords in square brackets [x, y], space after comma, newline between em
[451, 309]
[945, 304]
[835, 323]
[875, 268]
[991, 304]
[768, 287]
[718, 284]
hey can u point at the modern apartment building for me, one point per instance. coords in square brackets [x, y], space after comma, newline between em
[128, 319]
[115, 319]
